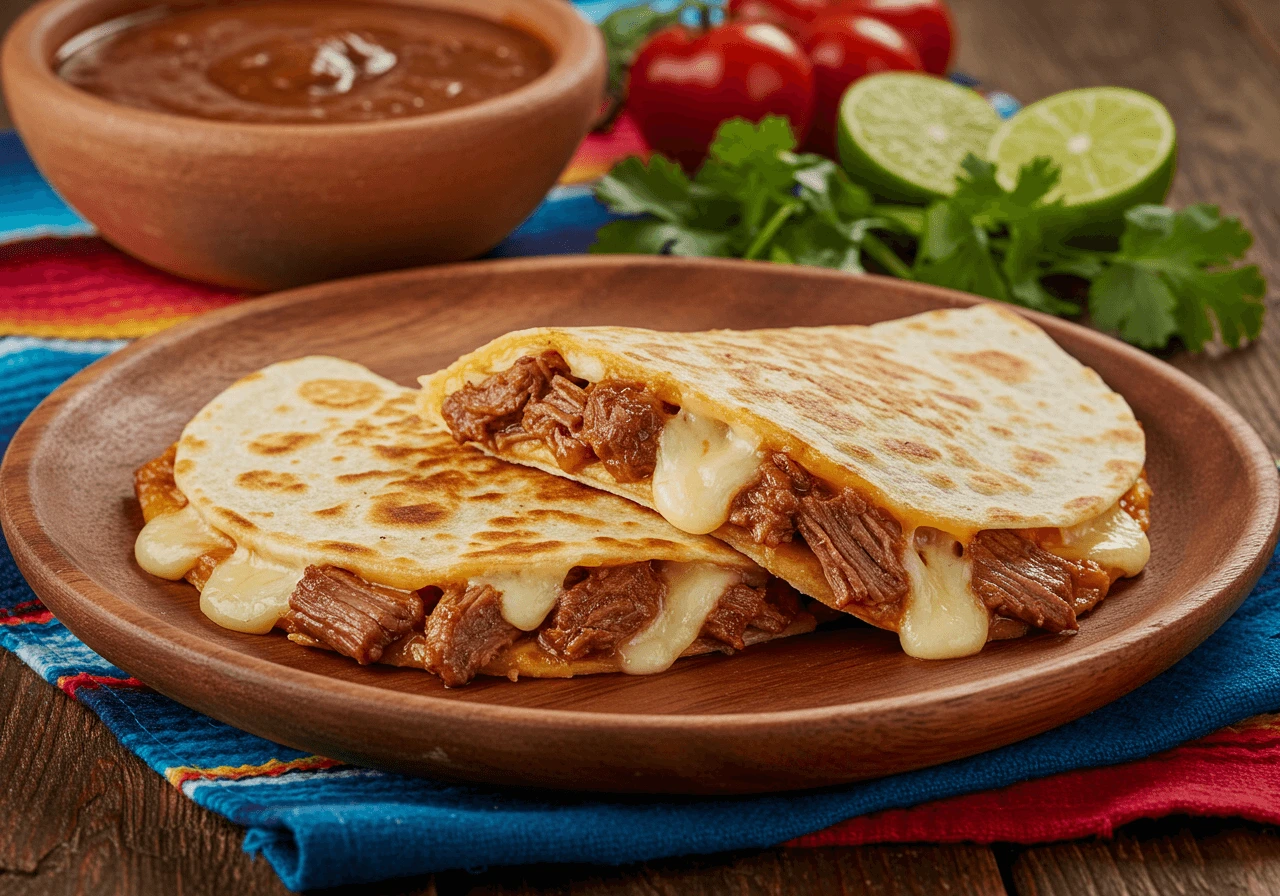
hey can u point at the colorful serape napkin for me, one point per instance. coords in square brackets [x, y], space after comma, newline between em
[67, 299]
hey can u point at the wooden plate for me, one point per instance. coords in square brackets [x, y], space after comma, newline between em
[821, 709]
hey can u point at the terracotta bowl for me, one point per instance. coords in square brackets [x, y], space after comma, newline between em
[265, 206]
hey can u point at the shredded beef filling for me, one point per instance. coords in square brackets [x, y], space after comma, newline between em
[347, 614]
[860, 549]
[742, 607]
[556, 419]
[767, 508]
[621, 423]
[1015, 577]
[536, 398]
[477, 413]
[465, 631]
[610, 605]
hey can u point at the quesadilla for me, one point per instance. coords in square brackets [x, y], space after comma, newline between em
[954, 476]
[310, 497]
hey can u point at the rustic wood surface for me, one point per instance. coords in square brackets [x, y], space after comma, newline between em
[80, 814]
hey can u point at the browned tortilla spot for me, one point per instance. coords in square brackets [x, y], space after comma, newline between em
[266, 480]
[911, 450]
[394, 514]
[352, 478]
[345, 547]
[282, 442]
[340, 394]
[232, 517]
[1003, 366]
[963, 400]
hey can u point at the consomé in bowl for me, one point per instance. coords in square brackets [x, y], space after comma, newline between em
[268, 143]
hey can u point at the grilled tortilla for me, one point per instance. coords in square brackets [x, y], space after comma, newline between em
[310, 497]
[953, 476]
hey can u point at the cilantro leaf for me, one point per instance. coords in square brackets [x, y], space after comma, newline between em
[659, 188]
[650, 237]
[1138, 307]
[992, 241]
[967, 265]
[1173, 276]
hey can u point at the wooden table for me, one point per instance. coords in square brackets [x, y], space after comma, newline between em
[78, 813]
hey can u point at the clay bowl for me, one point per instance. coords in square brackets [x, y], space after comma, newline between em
[265, 206]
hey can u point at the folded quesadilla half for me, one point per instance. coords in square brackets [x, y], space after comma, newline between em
[310, 497]
[953, 476]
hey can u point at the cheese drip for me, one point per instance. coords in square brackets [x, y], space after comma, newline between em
[943, 618]
[1113, 540]
[693, 590]
[170, 544]
[528, 595]
[702, 464]
[248, 593]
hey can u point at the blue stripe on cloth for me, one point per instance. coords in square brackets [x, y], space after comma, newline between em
[28, 205]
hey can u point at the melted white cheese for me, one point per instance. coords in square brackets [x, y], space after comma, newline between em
[1113, 540]
[702, 464]
[528, 595]
[693, 590]
[247, 593]
[170, 544]
[586, 366]
[943, 617]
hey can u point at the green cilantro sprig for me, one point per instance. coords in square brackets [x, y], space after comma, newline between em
[1173, 274]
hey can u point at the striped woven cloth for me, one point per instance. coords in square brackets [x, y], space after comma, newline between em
[1192, 741]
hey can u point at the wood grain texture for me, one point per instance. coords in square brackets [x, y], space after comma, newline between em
[1190, 859]
[869, 871]
[79, 814]
[702, 726]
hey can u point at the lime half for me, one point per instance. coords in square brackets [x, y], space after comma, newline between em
[1117, 148]
[904, 134]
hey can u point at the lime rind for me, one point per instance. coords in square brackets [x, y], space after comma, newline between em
[905, 134]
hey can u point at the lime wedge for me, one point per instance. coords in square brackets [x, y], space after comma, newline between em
[904, 134]
[1117, 148]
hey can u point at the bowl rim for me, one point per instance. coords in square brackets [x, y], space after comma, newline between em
[578, 48]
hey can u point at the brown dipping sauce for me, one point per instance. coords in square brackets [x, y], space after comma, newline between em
[294, 61]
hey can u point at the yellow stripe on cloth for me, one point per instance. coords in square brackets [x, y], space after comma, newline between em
[181, 774]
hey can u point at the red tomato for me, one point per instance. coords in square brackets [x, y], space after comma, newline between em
[843, 47]
[926, 23]
[790, 15]
[685, 82]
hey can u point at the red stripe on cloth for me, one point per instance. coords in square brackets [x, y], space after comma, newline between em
[1232, 773]
[36, 617]
[29, 612]
[70, 684]
[83, 288]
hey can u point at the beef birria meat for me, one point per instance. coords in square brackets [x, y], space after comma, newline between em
[609, 606]
[348, 614]
[465, 631]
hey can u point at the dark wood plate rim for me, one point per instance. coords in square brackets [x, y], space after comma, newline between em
[81, 604]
